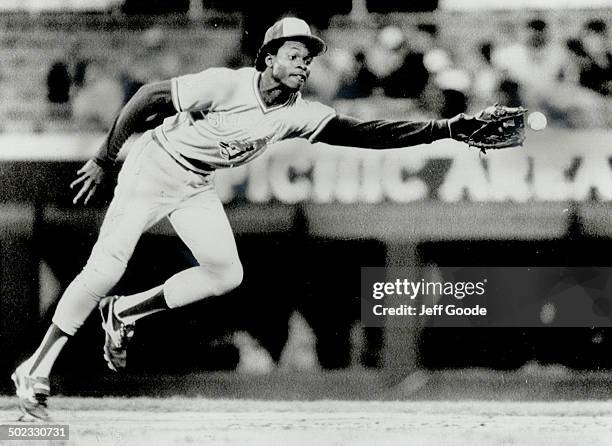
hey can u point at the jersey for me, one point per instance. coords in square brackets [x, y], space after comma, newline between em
[223, 121]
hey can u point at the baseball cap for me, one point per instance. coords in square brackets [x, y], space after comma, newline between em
[289, 28]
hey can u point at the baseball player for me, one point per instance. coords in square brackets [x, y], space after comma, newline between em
[216, 119]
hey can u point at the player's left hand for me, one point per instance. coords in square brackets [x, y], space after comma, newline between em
[89, 176]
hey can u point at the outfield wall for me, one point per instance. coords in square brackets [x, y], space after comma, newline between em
[554, 166]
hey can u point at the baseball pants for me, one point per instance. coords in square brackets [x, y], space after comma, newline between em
[151, 186]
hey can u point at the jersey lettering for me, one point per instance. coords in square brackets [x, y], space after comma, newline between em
[230, 150]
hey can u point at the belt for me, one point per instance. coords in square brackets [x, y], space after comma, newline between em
[198, 164]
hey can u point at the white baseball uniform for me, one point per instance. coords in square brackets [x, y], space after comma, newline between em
[221, 122]
[225, 123]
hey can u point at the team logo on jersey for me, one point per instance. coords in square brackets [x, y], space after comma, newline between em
[230, 150]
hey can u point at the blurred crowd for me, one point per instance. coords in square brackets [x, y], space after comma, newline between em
[88, 92]
[568, 80]
[411, 69]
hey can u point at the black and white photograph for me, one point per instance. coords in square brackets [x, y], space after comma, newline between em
[353, 222]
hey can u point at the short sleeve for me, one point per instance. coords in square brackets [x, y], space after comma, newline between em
[200, 90]
[310, 118]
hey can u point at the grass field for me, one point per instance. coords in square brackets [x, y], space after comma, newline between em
[199, 421]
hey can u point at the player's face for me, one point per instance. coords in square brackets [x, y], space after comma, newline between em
[291, 65]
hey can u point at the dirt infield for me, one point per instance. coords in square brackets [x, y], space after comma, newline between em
[149, 421]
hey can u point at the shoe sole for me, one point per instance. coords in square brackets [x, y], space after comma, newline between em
[29, 415]
[107, 338]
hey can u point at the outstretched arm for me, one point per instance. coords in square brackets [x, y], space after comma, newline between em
[383, 134]
[142, 112]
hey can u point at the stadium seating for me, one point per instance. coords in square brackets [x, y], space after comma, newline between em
[28, 45]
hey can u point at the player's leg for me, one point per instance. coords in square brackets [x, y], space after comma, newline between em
[203, 226]
[213, 246]
[34, 389]
[131, 211]
[103, 270]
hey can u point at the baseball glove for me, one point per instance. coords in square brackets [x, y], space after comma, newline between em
[497, 127]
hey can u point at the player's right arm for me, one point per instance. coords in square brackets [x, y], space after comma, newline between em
[143, 111]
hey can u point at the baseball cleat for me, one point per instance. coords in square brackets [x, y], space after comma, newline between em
[116, 335]
[32, 392]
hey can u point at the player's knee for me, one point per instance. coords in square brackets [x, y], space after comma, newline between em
[101, 273]
[237, 275]
[230, 276]
[109, 256]
[225, 276]
[200, 282]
